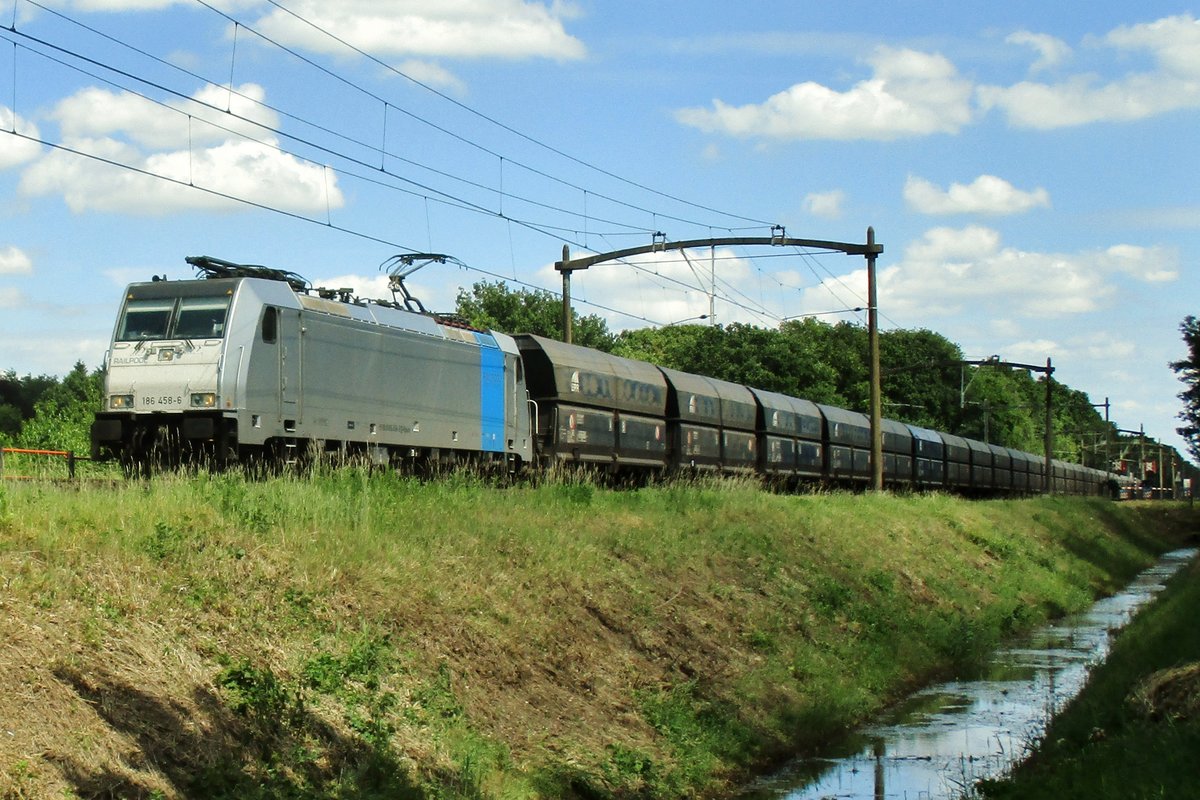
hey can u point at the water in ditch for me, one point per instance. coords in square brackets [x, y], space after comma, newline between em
[943, 738]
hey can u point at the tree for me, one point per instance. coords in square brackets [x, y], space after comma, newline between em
[782, 361]
[18, 397]
[920, 377]
[496, 307]
[1189, 372]
[63, 416]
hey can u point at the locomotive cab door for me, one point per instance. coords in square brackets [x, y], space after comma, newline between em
[290, 368]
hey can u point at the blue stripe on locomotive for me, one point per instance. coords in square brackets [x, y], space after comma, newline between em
[491, 394]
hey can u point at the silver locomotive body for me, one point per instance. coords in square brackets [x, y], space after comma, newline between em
[229, 368]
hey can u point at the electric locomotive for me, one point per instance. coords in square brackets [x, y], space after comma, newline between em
[252, 362]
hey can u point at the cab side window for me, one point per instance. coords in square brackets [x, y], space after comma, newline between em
[270, 325]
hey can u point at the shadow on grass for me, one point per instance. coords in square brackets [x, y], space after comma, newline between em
[207, 750]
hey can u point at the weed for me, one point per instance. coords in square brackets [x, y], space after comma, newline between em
[300, 601]
[18, 782]
[963, 642]
[629, 768]
[372, 720]
[703, 733]
[165, 542]
[829, 595]
[257, 694]
[882, 580]
[578, 494]
[436, 698]
[365, 662]
[759, 639]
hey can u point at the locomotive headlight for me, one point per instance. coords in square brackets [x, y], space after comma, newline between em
[204, 400]
[120, 401]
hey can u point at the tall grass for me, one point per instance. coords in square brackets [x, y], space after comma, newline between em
[355, 633]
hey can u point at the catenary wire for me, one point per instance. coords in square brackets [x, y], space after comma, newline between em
[451, 199]
[502, 125]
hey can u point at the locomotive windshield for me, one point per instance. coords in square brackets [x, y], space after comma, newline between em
[174, 318]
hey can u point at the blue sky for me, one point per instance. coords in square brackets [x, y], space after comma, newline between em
[1030, 169]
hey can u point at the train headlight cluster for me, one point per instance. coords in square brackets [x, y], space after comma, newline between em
[204, 400]
[120, 401]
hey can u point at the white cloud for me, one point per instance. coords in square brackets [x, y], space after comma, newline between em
[912, 93]
[15, 150]
[1051, 51]
[661, 287]
[1033, 351]
[1148, 264]
[154, 142]
[434, 75]
[370, 287]
[513, 29]
[93, 112]
[1105, 346]
[909, 94]
[1173, 43]
[13, 261]
[248, 171]
[123, 276]
[827, 205]
[121, 5]
[951, 272]
[987, 194]
[945, 244]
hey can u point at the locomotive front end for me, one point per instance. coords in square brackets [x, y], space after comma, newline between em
[162, 393]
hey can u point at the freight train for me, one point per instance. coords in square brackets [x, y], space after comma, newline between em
[251, 364]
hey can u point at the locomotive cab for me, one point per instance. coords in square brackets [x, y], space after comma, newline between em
[162, 392]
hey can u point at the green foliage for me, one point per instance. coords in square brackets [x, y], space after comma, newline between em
[495, 306]
[165, 541]
[364, 664]
[23, 393]
[63, 414]
[1188, 370]
[703, 733]
[256, 693]
[298, 756]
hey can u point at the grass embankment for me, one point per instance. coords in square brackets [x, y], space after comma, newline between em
[1134, 731]
[371, 636]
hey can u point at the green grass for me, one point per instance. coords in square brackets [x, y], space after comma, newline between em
[1104, 744]
[366, 635]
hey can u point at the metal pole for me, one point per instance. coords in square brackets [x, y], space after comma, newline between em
[873, 344]
[566, 310]
[1049, 429]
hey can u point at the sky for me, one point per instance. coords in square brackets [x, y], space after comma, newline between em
[1029, 167]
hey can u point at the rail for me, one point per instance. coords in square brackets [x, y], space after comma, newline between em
[69, 455]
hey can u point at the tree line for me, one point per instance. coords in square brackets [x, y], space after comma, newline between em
[43, 412]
